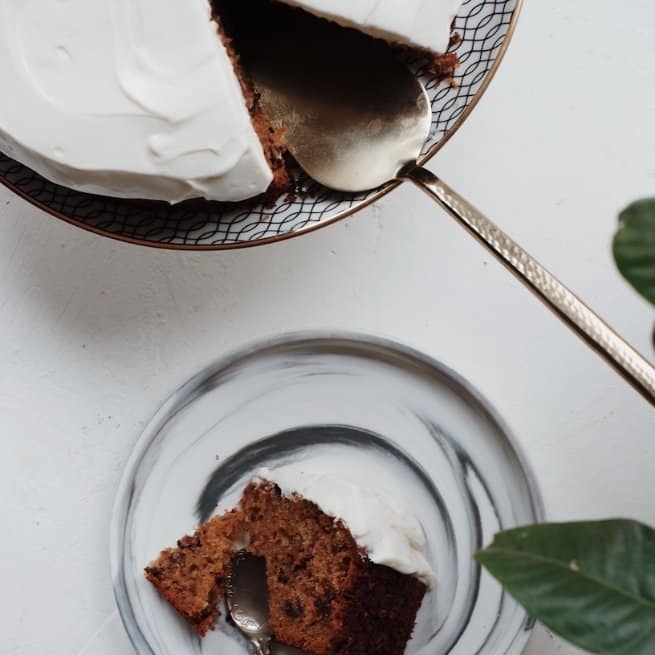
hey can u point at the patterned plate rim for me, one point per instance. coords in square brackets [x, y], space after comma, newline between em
[339, 216]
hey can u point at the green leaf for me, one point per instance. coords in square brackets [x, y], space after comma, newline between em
[634, 247]
[591, 583]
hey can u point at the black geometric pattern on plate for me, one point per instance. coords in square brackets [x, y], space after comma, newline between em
[484, 27]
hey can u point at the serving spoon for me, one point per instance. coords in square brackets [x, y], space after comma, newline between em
[355, 118]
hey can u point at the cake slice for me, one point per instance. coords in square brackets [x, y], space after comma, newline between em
[326, 594]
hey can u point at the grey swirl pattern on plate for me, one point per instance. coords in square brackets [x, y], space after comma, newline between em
[484, 27]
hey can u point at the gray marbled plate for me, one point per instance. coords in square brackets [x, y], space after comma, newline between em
[365, 409]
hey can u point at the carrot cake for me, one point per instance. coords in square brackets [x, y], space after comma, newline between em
[346, 570]
[143, 99]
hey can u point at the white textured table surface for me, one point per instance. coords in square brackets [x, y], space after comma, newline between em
[94, 334]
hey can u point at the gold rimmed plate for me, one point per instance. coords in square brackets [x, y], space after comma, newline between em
[485, 29]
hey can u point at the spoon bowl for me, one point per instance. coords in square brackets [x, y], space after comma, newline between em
[247, 600]
[350, 132]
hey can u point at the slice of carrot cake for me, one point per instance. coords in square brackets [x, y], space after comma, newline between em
[345, 569]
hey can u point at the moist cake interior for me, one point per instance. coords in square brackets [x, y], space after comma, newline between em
[254, 29]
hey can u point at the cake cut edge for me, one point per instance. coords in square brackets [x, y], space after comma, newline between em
[271, 138]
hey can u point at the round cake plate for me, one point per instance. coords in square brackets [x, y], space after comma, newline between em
[371, 410]
[485, 28]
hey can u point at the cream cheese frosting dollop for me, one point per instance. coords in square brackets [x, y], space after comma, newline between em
[130, 98]
[387, 532]
[424, 24]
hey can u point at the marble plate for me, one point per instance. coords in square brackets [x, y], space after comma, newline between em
[367, 409]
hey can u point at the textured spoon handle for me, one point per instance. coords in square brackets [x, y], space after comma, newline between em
[620, 354]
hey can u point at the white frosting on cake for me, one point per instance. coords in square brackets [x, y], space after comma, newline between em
[422, 24]
[131, 98]
[139, 98]
[387, 532]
